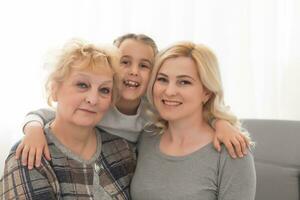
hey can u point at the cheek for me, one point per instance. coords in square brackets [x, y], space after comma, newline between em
[157, 89]
[146, 77]
[105, 103]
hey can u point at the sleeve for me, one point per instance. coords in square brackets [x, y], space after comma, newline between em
[116, 123]
[237, 178]
[18, 182]
[43, 116]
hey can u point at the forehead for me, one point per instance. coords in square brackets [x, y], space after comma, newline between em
[179, 66]
[136, 49]
[98, 76]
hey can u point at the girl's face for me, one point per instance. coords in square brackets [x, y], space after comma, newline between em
[84, 97]
[178, 92]
[136, 64]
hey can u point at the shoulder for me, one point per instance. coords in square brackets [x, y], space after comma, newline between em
[244, 163]
[150, 132]
[14, 167]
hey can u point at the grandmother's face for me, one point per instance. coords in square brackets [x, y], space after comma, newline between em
[84, 97]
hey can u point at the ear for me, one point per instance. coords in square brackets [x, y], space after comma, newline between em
[206, 95]
[54, 91]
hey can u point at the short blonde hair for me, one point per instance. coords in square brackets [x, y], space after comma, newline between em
[81, 55]
[209, 74]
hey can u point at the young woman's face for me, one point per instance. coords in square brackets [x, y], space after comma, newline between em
[178, 92]
[84, 97]
[136, 65]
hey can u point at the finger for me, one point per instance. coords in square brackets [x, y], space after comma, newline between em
[19, 150]
[47, 152]
[243, 144]
[237, 147]
[38, 157]
[217, 144]
[247, 140]
[25, 155]
[31, 157]
[230, 149]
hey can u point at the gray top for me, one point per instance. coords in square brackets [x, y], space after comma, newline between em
[114, 122]
[204, 174]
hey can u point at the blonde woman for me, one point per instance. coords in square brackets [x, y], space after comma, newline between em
[176, 158]
[87, 163]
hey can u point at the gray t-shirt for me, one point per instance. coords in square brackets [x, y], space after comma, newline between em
[204, 174]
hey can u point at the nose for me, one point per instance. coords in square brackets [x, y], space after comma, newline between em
[134, 70]
[171, 89]
[92, 97]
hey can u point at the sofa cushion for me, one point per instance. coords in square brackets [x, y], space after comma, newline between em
[277, 158]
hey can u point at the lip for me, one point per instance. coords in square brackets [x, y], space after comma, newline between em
[129, 83]
[87, 110]
[173, 103]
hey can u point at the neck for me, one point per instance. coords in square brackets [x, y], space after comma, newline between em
[81, 140]
[184, 137]
[194, 128]
[128, 107]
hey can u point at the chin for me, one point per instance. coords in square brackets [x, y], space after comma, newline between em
[169, 117]
[131, 97]
[86, 122]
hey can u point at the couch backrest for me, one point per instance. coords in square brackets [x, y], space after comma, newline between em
[277, 158]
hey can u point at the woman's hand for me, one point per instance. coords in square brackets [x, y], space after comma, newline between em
[236, 142]
[33, 145]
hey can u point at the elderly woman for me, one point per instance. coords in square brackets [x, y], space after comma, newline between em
[87, 162]
[176, 155]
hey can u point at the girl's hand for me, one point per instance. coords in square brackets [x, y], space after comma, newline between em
[33, 145]
[236, 142]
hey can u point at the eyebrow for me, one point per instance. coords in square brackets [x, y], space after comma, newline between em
[80, 74]
[179, 76]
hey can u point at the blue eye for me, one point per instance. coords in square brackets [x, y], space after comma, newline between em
[105, 90]
[82, 85]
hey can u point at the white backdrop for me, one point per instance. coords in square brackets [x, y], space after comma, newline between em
[256, 42]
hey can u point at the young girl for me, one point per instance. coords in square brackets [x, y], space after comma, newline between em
[128, 118]
[176, 156]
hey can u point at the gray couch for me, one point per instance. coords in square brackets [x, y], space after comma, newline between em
[277, 158]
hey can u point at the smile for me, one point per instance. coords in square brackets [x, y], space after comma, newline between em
[131, 84]
[171, 102]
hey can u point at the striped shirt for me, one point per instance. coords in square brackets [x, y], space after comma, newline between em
[105, 176]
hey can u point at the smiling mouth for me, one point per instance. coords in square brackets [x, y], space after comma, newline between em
[131, 84]
[171, 103]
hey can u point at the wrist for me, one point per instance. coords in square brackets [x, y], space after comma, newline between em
[32, 124]
[220, 123]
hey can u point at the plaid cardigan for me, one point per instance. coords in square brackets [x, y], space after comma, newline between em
[107, 177]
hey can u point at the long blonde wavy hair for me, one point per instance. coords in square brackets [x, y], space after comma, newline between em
[209, 74]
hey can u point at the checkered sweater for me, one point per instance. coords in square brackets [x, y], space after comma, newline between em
[106, 175]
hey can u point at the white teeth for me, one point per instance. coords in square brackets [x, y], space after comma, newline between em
[131, 83]
[171, 103]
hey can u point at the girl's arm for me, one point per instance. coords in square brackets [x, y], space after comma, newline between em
[235, 141]
[34, 142]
